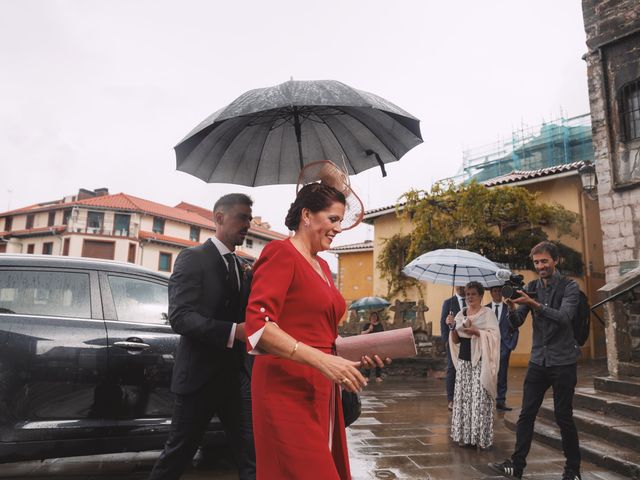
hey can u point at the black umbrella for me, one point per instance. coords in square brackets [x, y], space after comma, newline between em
[266, 136]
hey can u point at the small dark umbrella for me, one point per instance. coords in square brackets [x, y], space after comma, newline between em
[266, 136]
[369, 303]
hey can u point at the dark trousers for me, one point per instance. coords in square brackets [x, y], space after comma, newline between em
[450, 380]
[502, 376]
[537, 381]
[230, 398]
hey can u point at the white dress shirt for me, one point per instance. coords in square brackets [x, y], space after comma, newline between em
[499, 305]
[222, 248]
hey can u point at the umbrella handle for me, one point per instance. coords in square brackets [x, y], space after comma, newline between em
[453, 287]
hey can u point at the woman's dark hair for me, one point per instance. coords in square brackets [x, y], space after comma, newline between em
[314, 196]
[477, 286]
[372, 314]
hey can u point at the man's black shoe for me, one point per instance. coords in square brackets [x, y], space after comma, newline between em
[571, 475]
[507, 468]
[503, 407]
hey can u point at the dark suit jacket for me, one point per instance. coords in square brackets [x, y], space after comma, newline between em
[508, 334]
[202, 311]
[450, 304]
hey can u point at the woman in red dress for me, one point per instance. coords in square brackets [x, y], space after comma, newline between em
[292, 318]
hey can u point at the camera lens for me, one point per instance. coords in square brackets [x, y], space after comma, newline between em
[509, 291]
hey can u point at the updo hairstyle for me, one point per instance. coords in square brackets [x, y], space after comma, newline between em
[314, 196]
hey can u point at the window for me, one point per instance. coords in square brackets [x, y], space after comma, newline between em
[98, 249]
[95, 220]
[194, 234]
[65, 247]
[164, 262]
[630, 110]
[30, 218]
[248, 242]
[158, 225]
[47, 248]
[121, 224]
[63, 294]
[8, 224]
[31, 248]
[66, 215]
[138, 300]
[52, 219]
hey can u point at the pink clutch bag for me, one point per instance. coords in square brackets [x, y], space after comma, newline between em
[398, 343]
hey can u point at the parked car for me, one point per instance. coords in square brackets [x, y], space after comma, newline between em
[86, 353]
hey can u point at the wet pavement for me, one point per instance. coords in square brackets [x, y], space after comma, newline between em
[402, 434]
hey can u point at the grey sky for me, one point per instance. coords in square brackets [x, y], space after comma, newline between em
[97, 93]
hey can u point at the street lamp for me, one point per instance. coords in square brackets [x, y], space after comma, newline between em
[589, 180]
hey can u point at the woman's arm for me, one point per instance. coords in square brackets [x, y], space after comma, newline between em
[336, 369]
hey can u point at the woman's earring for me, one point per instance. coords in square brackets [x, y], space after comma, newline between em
[306, 224]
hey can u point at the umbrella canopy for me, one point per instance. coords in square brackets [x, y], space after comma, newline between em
[453, 267]
[369, 303]
[266, 136]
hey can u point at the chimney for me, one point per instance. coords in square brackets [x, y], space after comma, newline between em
[101, 192]
[83, 194]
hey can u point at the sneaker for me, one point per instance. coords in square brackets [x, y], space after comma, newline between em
[506, 468]
[378, 379]
[571, 475]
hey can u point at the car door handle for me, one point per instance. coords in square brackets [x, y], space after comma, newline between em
[132, 345]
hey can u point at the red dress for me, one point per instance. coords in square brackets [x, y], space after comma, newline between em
[292, 402]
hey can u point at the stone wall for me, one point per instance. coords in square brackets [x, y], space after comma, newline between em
[613, 60]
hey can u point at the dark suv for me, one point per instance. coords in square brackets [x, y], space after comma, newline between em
[86, 354]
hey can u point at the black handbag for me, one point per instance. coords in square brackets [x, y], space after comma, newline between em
[351, 407]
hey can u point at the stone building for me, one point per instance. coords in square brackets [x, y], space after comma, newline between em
[613, 67]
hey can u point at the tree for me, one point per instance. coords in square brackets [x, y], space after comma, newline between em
[502, 224]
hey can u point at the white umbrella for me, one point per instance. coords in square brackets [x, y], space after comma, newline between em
[453, 267]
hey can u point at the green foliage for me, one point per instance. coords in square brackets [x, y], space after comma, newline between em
[391, 261]
[502, 224]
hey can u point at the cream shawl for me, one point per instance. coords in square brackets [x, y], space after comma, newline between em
[485, 347]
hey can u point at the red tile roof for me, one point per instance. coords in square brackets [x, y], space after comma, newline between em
[36, 207]
[123, 201]
[35, 231]
[183, 212]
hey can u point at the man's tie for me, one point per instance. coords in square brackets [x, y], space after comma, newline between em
[463, 303]
[497, 310]
[233, 272]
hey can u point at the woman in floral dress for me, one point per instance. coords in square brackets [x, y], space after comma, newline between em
[475, 350]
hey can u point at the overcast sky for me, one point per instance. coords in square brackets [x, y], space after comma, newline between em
[97, 93]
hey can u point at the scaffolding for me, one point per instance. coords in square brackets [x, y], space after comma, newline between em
[558, 142]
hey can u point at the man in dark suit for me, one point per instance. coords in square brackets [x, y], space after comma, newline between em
[508, 342]
[211, 375]
[451, 306]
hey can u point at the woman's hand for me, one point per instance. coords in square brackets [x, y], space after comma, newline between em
[471, 331]
[366, 362]
[341, 371]
[451, 321]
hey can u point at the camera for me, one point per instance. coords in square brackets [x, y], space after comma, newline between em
[515, 282]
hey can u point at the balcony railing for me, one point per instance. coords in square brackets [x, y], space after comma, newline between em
[105, 231]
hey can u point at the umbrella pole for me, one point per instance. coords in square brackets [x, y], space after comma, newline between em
[453, 287]
[298, 130]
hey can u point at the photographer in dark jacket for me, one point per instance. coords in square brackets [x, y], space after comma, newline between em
[553, 361]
